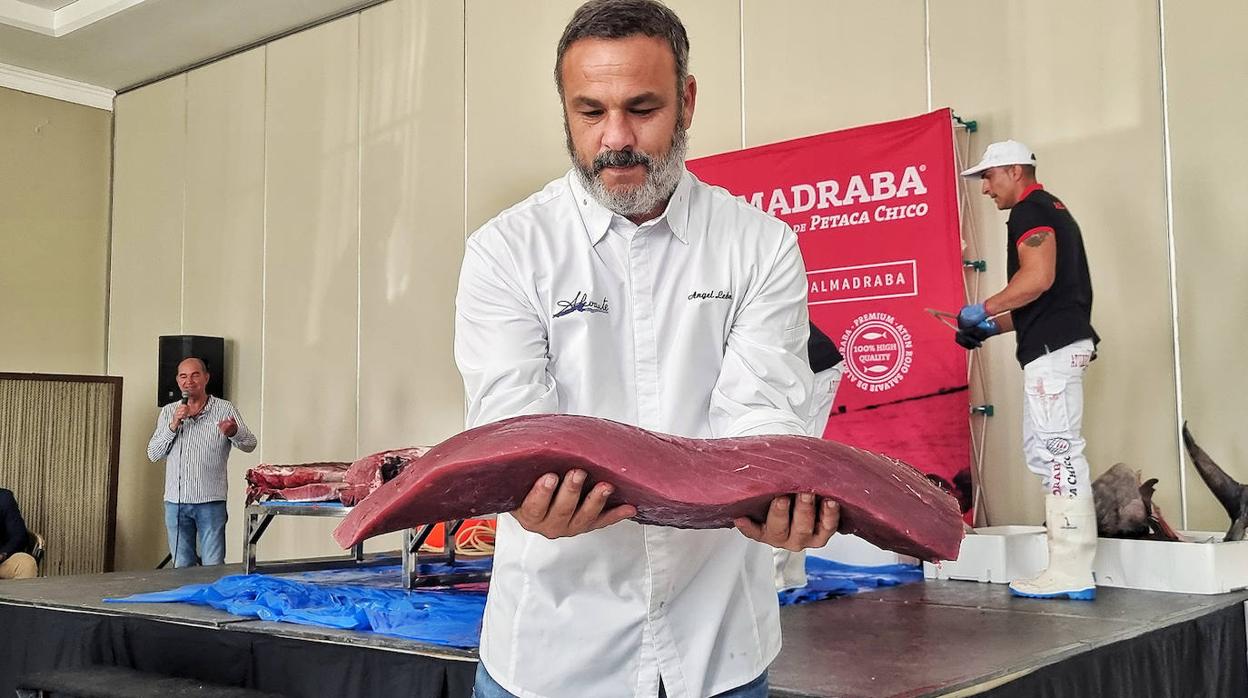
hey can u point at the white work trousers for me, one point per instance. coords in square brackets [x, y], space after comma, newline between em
[1053, 419]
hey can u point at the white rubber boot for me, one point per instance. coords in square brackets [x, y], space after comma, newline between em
[1071, 523]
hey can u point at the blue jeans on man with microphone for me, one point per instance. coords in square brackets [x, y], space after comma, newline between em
[196, 525]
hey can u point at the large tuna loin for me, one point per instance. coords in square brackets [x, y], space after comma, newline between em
[672, 481]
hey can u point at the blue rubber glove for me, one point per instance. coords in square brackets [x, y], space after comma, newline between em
[971, 315]
[983, 330]
[973, 337]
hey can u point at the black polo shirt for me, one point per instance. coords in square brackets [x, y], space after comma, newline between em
[1063, 314]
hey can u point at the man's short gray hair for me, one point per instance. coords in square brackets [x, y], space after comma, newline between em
[619, 19]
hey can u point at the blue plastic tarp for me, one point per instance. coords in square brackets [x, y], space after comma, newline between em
[373, 599]
[826, 579]
[367, 598]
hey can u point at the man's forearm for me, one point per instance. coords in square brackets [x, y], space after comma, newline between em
[1006, 322]
[243, 439]
[1022, 289]
[161, 441]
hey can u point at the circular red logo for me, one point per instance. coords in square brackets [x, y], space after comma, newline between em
[878, 352]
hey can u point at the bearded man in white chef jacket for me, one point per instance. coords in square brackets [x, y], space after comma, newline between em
[629, 290]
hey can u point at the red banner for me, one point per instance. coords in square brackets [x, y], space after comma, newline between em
[876, 213]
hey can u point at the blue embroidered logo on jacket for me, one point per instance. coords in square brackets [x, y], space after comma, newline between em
[580, 303]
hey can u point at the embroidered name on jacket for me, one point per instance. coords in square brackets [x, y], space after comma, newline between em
[712, 295]
[581, 303]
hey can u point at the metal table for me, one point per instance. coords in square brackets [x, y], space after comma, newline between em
[259, 516]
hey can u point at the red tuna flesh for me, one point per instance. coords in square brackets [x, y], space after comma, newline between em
[672, 481]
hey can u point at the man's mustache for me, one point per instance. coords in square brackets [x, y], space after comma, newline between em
[620, 158]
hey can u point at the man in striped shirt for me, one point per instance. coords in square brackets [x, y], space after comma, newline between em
[194, 437]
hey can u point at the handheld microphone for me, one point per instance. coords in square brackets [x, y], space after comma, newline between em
[185, 397]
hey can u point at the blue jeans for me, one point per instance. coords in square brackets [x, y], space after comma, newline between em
[187, 524]
[486, 687]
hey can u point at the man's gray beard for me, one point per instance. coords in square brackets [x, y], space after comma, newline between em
[662, 177]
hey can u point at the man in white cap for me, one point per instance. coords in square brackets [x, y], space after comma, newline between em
[1048, 304]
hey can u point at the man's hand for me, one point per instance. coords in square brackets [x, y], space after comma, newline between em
[974, 326]
[966, 340]
[972, 315]
[973, 337]
[798, 531]
[559, 514]
[179, 414]
[228, 427]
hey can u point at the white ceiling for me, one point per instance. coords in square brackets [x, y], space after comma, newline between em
[128, 42]
[48, 4]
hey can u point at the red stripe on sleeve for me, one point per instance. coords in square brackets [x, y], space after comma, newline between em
[1033, 231]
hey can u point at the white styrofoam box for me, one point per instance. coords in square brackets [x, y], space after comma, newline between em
[1212, 567]
[996, 554]
[1202, 564]
[852, 550]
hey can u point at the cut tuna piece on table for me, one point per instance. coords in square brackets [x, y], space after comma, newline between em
[281, 476]
[372, 471]
[313, 492]
[672, 481]
[266, 479]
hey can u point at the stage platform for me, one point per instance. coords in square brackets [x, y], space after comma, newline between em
[936, 638]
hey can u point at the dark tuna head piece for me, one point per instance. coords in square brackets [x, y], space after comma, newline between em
[1125, 508]
[672, 481]
[1120, 510]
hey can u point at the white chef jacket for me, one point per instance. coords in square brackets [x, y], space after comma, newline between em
[694, 324]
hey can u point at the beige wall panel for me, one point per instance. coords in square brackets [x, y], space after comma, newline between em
[515, 141]
[311, 257]
[54, 188]
[224, 253]
[411, 221]
[714, 29]
[145, 298]
[1206, 57]
[1092, 112]
[813, 66]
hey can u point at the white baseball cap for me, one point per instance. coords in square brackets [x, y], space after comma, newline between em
[1003, 153]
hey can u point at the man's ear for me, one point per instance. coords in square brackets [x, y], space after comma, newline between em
[691, 99]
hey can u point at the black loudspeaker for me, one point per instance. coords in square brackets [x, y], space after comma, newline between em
[175, 348]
